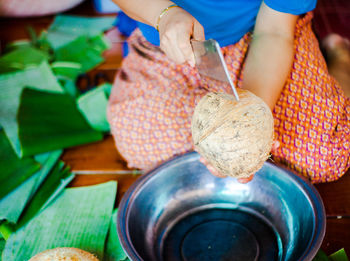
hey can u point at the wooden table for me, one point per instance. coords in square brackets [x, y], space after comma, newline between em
[100, 162]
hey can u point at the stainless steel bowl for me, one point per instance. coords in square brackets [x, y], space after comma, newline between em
[179, 211]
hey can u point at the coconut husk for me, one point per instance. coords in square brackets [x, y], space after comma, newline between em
[64, 254]
[234, 136]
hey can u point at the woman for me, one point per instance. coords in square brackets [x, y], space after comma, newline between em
[269, 49]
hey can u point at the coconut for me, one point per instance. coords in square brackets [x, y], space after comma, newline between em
[235, 137]
[64, 254]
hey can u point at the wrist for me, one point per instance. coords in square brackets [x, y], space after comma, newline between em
[163, 12]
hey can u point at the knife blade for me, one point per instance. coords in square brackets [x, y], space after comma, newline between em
[210, 62]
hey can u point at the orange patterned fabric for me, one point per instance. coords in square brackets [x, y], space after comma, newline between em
[153, 99]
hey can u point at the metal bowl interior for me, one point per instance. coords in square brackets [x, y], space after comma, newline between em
[179, 211]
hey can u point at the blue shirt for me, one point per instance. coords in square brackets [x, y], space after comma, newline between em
[227, 21]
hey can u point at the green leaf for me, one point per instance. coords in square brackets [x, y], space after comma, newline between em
[23, 193]
[11, 86]
[54, 184]
[79, 218]
[100, 43]
[32, 34]
[13, 170]
[49, 121]
[2, 246]
[48, 161]
[93, 105]
[320, 256]
[67, 28]
[114, 250]
[70, 87]
[66, 70]
[6, 229]
[82, 51]
[22, 58]
[17, 45]
[340, 255]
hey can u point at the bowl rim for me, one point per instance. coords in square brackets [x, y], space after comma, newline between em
[308, 189]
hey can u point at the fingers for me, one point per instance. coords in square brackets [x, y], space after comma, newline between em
[216, 173]
[275, 145]
[245, 180]
[212, 170]
[198, 31]
[186, 49]
[175, 32]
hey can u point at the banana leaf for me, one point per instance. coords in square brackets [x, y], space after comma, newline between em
[93, 105]
[79, 217]
[6, 229]
[22, 58]
[340, 255]
[13, 170]
[49, 121]
[99, 42]
[320, 256]
[83, 50]
[2, 246]
[66, 28]
[66, 70]
[53, 185]
[16, 45]
[70, 87]
[11, 86]
[12, 205]
[114, 250]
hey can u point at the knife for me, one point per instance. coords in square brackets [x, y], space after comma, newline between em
[210, 62]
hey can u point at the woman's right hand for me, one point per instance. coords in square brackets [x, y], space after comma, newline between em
[176, 29]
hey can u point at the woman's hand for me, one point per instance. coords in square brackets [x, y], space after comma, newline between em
[176, 29]
[216, 173]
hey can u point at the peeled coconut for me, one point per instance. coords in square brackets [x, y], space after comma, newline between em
[234, 136]
[64, 254]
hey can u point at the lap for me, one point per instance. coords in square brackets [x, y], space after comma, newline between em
[153, 100]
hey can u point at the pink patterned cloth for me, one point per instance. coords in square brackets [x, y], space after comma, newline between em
[153, 100]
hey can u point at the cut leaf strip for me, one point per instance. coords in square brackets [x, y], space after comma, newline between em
[21, 195]
[58, 179]
[13, 170]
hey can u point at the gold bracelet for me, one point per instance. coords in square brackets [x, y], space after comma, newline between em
[162, 13]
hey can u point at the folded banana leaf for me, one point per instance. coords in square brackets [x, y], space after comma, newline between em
[48, 121]
[83, 50]
[11, 86]
[114, 250]
[93, 105]
[12, 205]
[13, 170]
[80, 218]
[53, 185]
[66, 28]
[22, 58]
